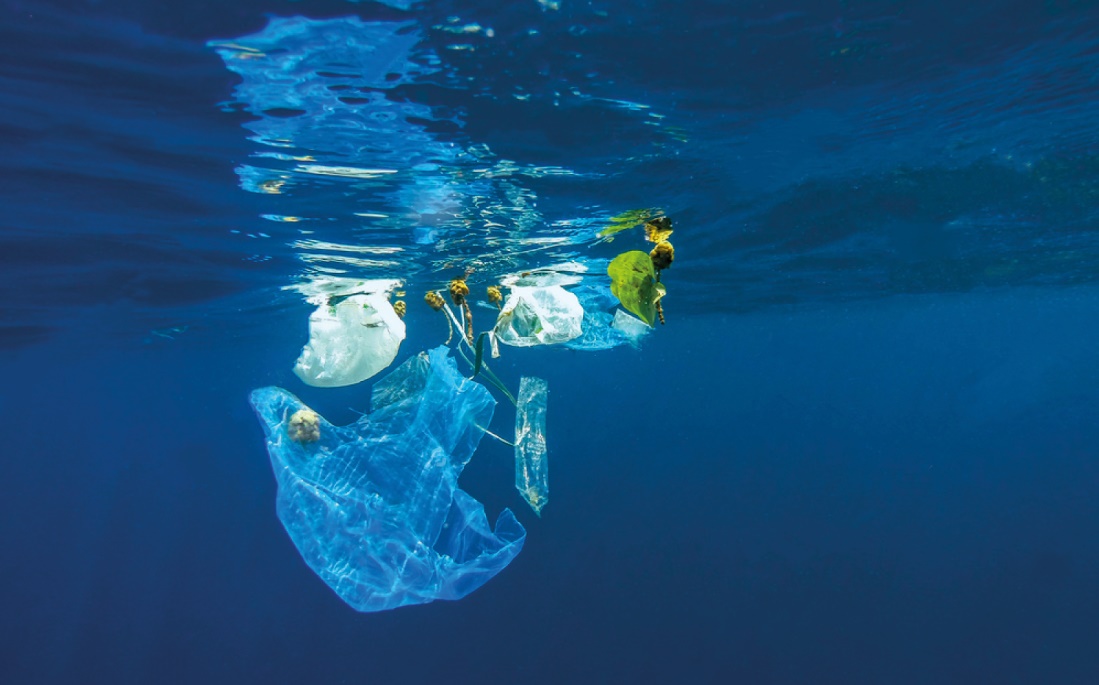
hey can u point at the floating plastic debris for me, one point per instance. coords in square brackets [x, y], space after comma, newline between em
[605, 325]
[539, 316]
[350, 341]
[374, 507]
[531, 465]
[630, 327]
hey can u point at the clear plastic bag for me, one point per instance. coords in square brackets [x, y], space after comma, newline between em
[539, 316]
[350, 341]
[374, 507]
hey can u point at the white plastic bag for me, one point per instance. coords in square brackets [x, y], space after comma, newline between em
[350, 341]
[539, 316]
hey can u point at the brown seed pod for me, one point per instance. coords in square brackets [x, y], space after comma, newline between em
[434, 300]
[657, 230]
[458, 291]
[662, 255]
[304, 426]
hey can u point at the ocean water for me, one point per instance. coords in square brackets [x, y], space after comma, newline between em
[863, 448]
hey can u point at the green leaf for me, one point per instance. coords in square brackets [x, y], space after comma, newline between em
[633, 282]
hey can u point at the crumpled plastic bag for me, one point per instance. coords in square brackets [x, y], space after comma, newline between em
[374, 507]
[539, 316]
[606, 326]
[350, 341]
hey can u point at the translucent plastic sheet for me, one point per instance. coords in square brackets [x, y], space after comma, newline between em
[374, 507]
[531, 465]
[631, 328]
[606, 326]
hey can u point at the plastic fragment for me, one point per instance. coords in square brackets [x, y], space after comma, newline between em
[631, 327]
[531, 465]
[374, 507]
[605, 325]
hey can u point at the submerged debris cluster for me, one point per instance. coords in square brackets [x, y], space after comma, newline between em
[377, 467]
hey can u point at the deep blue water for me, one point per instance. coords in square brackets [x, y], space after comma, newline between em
[862, 450]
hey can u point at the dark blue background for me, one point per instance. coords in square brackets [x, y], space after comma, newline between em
[901, 492]
[859, 466]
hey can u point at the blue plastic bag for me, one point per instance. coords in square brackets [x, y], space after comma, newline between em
[374, 507]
